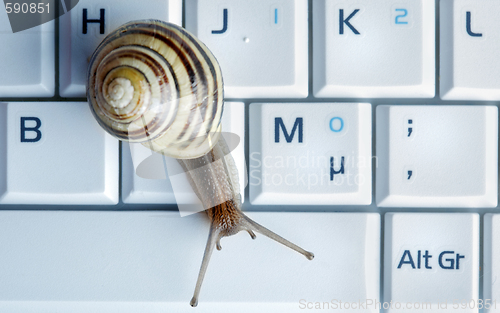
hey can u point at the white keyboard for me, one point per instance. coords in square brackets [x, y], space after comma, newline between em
[368, 136]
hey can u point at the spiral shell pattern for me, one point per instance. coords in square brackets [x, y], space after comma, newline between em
[153, 82]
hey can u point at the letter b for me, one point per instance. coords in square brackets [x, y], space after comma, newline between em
[35, 129]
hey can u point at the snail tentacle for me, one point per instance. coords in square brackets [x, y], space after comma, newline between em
[252, 225]
[251, 233]
[213, 238]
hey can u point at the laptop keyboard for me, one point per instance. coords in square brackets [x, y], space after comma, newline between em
[368, 136]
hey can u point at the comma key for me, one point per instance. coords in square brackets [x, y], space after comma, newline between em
[446, 157]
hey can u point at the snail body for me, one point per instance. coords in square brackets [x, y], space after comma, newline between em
[155, 83]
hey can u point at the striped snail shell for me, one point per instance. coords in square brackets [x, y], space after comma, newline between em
[151, 81]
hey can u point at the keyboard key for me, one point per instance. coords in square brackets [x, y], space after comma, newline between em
[468, 47]
[149, 183]
[437, 156]
[262, 46]
[26, 60]
[491, 262]
[310, 153]
[373, 49]
[431, 261]
[60, 261]
[87, 25]
[55, 153]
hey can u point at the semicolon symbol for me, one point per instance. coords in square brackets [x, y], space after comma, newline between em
[224, 25]
[410, 129]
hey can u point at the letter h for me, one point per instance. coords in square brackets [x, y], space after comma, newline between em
[101, 21]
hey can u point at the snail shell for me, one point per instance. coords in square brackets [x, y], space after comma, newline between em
[151, 81]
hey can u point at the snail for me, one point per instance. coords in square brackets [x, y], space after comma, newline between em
[153, 82]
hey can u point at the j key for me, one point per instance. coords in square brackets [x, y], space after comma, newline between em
[261, 45]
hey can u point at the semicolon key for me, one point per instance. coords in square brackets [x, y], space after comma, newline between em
[438, 150]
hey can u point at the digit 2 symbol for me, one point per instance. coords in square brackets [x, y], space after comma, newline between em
[405, 13]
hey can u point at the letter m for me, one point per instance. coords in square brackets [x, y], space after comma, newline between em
[278, 122]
